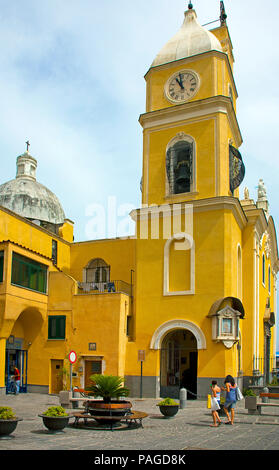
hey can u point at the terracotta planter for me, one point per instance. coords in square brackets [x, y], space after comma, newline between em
[169, 410]
[55, 423]
[115, 410]
[7, 426]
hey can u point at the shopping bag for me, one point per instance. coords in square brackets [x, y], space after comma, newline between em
[209, 401]
[239, 395]
[214, 404]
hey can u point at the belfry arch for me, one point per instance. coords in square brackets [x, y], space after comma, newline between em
[179, 342]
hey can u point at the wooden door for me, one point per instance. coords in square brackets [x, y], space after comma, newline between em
[91, 367]
[56, 376]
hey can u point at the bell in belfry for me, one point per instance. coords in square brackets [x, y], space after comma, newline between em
[179, 167]
[182, 173]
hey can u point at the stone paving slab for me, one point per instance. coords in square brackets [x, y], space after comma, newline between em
[188, 430]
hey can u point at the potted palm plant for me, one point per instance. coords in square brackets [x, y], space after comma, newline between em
[168, 407]
[55, 418]
[111, 389]
[8, 422]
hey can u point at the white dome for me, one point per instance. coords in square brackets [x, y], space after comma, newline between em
[28, 198]
[191, 39]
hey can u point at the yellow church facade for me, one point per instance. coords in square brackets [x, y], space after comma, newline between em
[191, 296]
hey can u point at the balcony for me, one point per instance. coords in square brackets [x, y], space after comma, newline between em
[105, 287]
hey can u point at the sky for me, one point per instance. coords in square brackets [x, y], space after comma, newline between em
[72, 82]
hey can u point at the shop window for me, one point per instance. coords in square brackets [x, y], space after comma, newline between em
[56, 327]
[28, 273]
[1, 265]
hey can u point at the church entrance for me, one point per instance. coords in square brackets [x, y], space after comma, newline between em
[179, 362]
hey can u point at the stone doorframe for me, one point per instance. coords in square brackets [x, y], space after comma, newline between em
[167, 327]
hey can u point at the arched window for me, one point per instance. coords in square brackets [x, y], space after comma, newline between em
[180, 167]
[97, 270]
[263, 267]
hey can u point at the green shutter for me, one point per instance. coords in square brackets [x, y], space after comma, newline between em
[28, 273]
[56, 327]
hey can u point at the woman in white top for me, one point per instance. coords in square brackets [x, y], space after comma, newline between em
[215, 403]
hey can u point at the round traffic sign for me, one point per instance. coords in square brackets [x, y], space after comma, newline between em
[72, 357]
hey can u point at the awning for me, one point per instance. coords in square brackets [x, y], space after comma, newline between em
[236, 304]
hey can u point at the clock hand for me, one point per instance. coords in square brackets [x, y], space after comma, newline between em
[180, 83]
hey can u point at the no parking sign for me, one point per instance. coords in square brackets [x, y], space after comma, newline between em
[72, 357]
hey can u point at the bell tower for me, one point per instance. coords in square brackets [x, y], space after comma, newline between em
[190, 130]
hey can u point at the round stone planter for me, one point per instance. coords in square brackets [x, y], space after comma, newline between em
[114, 410]
[55, 423]
[168, 410]
[7, 426]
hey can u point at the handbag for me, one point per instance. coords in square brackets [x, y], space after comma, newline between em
[214, 404]
[239, 395]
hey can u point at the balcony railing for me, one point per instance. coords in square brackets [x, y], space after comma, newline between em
[105, 287]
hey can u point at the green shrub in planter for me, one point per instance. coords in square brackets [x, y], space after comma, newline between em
[55, 411]
[55, 418]
[8, 422]
[6, 413]
[168, 407]
[168, 402]
[249, 393]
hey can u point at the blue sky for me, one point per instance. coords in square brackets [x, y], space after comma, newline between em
[72, 82]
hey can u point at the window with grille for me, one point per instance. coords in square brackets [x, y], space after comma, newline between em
[97, 271]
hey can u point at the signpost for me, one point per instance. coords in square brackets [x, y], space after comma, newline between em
[72, 359]
[141, 358]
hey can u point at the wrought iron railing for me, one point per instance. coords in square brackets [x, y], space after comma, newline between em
[105, 287]
[260, 364]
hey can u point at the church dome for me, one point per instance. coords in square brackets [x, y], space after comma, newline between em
[191, 39]
[28, 198]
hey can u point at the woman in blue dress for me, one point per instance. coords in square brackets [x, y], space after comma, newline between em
[229, 405]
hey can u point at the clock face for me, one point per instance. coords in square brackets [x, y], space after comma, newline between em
[182, 86]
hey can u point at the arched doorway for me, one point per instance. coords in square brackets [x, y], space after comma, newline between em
[179, 342]
[179, 361]
[24, 331]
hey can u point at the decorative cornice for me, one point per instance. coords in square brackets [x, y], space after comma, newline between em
[194, 109]
[186, 60]
[199, 205]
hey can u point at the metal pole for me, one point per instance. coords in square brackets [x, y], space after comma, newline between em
[71, 370]
[141, 379]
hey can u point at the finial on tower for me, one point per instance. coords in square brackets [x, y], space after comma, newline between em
[190, 6]
[223, 15]
[27, 145]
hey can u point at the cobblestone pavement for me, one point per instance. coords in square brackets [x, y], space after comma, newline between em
[188, 430]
